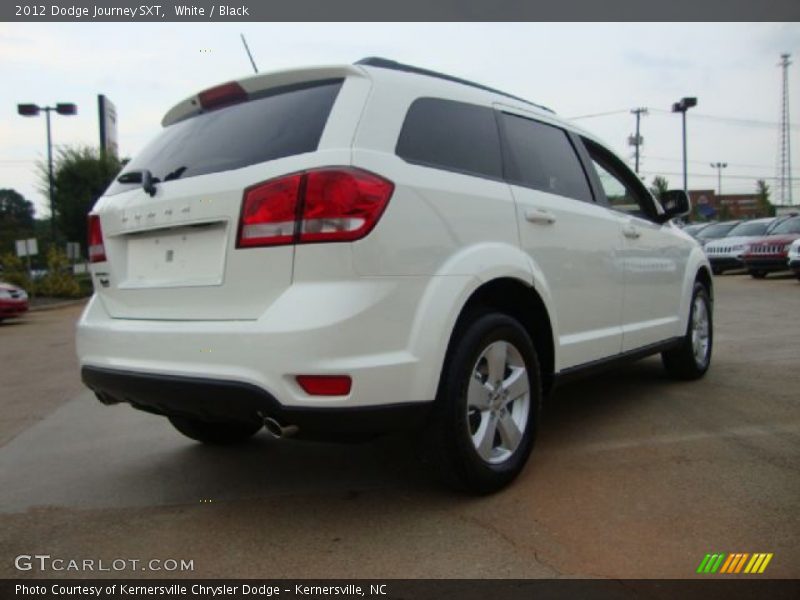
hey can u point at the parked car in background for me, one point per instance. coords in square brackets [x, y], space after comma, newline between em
[771, 253]
[725, 253]
[13, 301]
[695, 228]
[715, 231]
[794, 257]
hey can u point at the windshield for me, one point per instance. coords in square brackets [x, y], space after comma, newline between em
[717, 230]
[749, 228]
[789, 226]
[280, 122]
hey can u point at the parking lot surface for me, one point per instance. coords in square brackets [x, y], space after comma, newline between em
[634, 475]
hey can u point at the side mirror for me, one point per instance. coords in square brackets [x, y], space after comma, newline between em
[675, 204]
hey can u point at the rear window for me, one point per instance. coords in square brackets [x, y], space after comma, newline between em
[542, 157]
[450, 135]
[278, 123]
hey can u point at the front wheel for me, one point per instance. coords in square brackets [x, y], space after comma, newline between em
[217, 432]
[758, 274]
[487, 409]
[691, 359]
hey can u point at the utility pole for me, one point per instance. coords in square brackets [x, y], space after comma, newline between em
[637, 141]
[785, 148]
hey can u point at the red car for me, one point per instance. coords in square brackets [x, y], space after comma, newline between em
[771, 253]
[13, 301]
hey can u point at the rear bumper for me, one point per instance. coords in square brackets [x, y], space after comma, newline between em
[220, 400]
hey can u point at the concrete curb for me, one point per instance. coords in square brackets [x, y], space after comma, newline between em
[55, 305]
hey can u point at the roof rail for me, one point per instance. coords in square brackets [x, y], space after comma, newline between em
[385, 63]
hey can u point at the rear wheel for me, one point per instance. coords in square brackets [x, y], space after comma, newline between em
[692, 358]
[218, 432]
[758, 274]
[717, 270]
[484, 423]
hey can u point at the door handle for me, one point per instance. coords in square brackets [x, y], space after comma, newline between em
[539, 216]
[631, 232]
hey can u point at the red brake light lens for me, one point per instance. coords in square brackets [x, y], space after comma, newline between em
[222, 95]
[269, 213]
[342, 204]
[97, 250]
[325, 385]
[335, 204]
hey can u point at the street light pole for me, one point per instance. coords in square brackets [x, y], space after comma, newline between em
[50, 175]
[33, 110]
[719, 166]
[682, 106]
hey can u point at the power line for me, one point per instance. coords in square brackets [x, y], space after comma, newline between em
[722, 119]
[602, 114]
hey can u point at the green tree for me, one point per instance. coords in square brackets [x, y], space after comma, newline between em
[16, 219]
[765, 207]
[80, 175]
[659, 186]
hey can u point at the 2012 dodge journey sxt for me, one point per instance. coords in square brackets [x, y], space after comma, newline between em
[361, 248]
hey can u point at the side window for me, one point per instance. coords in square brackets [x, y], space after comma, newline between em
[623, 190]
[542, 157]
[451, 135]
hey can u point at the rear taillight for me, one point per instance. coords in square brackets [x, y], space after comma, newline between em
[335, 204]
[97, 250]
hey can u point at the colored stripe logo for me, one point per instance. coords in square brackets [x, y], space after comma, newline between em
[736, 562]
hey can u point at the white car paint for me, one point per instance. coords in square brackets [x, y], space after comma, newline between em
[381, 309]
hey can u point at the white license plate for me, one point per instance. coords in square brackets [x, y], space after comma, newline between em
[189, 256]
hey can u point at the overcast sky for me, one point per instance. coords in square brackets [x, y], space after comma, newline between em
[575, 69]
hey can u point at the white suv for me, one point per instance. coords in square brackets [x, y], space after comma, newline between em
[355, 249]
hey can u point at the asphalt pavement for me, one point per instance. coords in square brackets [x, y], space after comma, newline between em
[633, 476]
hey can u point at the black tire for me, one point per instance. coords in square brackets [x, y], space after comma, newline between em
[684, 362]
[449, 437]
[758, 274]
[717, 270]
[217, 433]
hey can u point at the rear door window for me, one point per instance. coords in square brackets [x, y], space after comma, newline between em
[542, 157]
[450, 135]
[277, 123]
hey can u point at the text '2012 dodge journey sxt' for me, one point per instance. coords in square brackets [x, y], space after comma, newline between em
[355, 249]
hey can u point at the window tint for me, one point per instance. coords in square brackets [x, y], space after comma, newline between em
[451, 135]
[622, 189]
[542, 157]
[749, 228]
[283, 122]
[788, 226]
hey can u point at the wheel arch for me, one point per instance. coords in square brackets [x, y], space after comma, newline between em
[521, 301]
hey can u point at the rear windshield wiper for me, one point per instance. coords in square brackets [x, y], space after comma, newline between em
[143, 176]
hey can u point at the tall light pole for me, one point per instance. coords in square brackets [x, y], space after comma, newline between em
[719, 166]
[32, 110]
[682, 106]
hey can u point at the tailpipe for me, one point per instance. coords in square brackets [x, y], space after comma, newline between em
[277, 430]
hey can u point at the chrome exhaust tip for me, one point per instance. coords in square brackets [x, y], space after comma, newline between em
[277, 430]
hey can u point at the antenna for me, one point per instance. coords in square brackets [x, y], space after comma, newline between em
[785, 149]
[250, 56]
